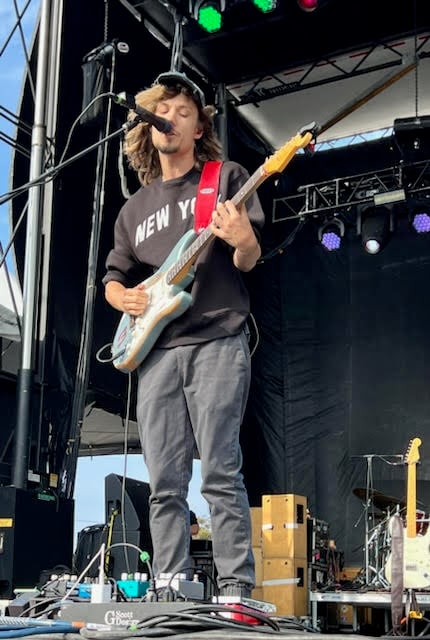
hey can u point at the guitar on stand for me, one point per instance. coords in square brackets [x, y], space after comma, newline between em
[416, 548]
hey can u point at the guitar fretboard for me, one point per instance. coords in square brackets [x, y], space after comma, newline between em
[412, 457]
[206, 236]
[274, 164]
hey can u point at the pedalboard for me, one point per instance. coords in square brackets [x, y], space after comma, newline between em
[118, 614]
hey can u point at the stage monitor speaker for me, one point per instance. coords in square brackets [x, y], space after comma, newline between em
[36, 534]
[412, 136]
[127, 516]
[90, 540]
[202, 557]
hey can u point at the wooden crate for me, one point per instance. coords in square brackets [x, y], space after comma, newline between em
[256, 526]
[258, 557]
[285, 584]
[257, 593]
[284, 526]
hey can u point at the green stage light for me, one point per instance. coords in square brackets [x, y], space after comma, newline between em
[265, 5]
[209, 18]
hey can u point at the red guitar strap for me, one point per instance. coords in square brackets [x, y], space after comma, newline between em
[207, 194]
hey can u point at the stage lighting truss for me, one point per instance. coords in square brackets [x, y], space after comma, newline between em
[375, 202]
[330, 233]
[393, 183]
[375, 224]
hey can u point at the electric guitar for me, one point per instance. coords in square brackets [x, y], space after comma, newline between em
[416, 549]
[135, 335]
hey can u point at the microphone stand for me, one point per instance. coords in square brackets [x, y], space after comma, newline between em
[51, 173]
[365, 513]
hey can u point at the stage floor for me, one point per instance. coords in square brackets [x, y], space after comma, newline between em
[357, 599]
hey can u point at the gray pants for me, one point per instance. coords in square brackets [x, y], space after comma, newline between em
[188, 396]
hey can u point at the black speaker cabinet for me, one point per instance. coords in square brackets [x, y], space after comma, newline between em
[412, 136]
[90, 540]
[36, 534]
[127, 517]
[202, 556]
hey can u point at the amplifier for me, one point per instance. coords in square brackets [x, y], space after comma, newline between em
[36, 535]
[318, 541]
[202, 556]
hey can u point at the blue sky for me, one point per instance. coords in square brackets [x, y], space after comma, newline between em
[91, 472]
[89, 487]
[11, 73]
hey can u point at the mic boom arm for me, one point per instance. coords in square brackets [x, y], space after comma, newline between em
[127, 100]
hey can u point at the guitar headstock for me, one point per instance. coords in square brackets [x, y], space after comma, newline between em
[412, 454]
[279, 160]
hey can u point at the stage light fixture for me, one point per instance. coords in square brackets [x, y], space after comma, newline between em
[374, 224]
[421, 219]
[308, 5]
[265, 6]
[330, 234]
[208, 14]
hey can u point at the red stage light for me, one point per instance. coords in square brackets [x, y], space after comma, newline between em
[307, 5]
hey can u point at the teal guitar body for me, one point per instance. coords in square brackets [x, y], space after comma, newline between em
[135, 336]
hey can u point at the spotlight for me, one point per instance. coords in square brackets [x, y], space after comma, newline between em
[374, 224]
[208, 14]
[308, 5]
[421, 219]
[265, 6]
[331, 233]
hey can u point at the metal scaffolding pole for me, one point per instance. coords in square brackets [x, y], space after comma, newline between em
[32, 255]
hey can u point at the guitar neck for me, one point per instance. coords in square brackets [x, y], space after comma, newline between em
[275, 164]
[189, 256]
[411, 503]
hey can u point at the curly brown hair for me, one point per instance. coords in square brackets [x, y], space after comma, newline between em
[138, 147]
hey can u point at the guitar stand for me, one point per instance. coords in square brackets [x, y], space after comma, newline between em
[414, 614]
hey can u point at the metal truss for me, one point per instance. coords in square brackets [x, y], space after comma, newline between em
[340, 195]
[268, 86]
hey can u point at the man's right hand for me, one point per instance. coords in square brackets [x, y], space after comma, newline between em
[132, 301]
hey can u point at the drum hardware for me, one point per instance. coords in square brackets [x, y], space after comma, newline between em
[376, 536]
[378, 499]
[377, 544]
[381, 501]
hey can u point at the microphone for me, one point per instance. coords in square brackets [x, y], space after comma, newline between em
[107, 49]
[126, 100]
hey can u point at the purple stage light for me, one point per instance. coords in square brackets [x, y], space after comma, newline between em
[330, 240]
[421, 222]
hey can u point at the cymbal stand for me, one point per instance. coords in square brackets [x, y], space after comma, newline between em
[378, 542]
[369, 488]
[370, 514]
